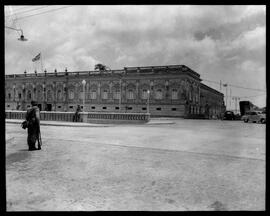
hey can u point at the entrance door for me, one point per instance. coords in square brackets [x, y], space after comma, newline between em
[49, 107]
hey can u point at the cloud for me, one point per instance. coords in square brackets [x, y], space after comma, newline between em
[218, 42]
[251, 40]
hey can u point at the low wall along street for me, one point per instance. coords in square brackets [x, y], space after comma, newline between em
[90, 117]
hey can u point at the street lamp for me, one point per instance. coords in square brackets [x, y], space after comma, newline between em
[21, 38]
[148, 94]
[83, 82]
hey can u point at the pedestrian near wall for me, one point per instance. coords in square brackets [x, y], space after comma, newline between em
[33, 127]
[76, 116]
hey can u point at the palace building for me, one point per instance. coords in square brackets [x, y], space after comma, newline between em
[173, 90]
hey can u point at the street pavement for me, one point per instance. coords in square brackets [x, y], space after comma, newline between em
[167, 164]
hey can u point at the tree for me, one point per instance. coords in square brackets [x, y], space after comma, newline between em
[100, 67]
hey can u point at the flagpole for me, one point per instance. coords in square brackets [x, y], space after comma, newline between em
[34, 64]
[41, 62]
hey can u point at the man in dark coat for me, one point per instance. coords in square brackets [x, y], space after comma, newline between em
[33, 120]
[76, 116]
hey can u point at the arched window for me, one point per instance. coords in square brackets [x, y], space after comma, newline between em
[174, 94]
[159, 94]
[105, 94]
[71, 94]
[130, 94]
[144, 94]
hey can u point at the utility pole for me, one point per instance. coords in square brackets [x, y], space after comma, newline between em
[226, 85]
[230, 97]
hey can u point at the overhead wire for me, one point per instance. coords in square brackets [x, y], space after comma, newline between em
[246, 96]
[236, 86]
[19, 8]
[21, 12]
[48, 11]
[14, 21]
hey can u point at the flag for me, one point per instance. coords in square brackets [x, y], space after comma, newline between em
[36, 58]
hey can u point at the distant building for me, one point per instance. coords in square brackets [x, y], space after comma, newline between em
[173, 90]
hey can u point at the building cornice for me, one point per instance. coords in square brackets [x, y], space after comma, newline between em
[126, 72]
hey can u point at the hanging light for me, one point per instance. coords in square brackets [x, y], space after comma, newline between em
[22, 38]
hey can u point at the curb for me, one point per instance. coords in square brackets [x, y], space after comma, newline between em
[63, 125]
[90, 125]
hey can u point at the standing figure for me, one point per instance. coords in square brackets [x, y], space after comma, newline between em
[33, 125]
[76, 116]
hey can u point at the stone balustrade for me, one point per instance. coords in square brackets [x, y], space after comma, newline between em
[90, 117]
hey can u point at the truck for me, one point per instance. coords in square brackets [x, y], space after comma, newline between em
[246, 106]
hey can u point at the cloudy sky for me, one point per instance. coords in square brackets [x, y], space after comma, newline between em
[224, 43]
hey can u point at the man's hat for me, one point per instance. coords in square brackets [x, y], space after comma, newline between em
[33, 103]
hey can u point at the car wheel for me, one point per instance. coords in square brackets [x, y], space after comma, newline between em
[262, 121]
[246, 120]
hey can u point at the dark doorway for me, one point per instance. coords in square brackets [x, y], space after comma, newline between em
[49, 107]
[39, 106]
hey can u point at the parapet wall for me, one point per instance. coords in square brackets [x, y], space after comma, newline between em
[90, 117]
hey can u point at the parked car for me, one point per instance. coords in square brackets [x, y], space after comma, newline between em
[237, 116]
[245, 117]
[254, 116]
[228, 115]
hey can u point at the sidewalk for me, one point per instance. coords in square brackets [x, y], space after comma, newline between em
[153, 121]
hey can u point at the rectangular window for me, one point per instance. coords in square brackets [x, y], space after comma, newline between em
[93, 107]
[158, 108]
[20, 95]
[174, 94]
[116, 95]
[8, 105]
[117, 108]
[93, 95]
[59, 106]
[129, 108]
[159, 94]
[130, 95]
[71, 95]
[104, 107]
[144, 108]
[71, 107]
[105, 94]
[144, 94]
[173, 109]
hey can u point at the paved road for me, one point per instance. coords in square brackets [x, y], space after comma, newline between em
[189, 165]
